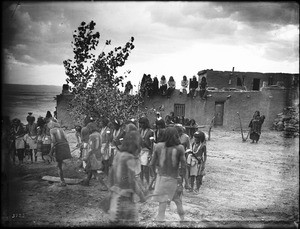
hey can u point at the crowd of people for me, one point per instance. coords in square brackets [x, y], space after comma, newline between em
[27, 141]
[192, 87]
[138, 159]
[130, 158]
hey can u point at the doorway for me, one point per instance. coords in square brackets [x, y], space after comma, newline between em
[256, 84]
[219, 112]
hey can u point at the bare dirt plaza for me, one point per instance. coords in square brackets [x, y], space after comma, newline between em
[251, 185]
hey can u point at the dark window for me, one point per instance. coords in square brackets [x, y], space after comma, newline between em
[179, 110]
[239, 82]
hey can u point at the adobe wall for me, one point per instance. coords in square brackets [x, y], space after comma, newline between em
[63, 116]
[220, 79]
[269, 102]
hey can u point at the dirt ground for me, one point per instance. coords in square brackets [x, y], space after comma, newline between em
[246, 185]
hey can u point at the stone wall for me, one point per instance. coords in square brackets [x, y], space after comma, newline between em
[269, 101]
[221, 79]
[62, 108]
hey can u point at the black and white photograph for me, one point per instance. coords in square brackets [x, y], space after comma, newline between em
[151, 114]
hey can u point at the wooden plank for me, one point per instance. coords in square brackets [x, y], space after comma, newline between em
[57, 179]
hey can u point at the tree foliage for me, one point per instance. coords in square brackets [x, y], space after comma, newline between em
[95, 83]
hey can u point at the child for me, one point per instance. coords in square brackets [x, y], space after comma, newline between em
[39, 142]
[196, 160]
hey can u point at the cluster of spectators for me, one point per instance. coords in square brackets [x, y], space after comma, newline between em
[44, 137]
[150, 87]
[27, 141]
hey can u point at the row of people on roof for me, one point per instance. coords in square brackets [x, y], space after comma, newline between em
[150, 87]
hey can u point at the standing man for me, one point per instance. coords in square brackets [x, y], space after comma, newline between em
[85, 133]
[105, 135]
[115, 139]
[146, 151]
[185, 141]
[160, 129]
[93, 157]
[31, 136]
[123, 182]
[255, 126]
[18, 132]
[168, 155]
[197, 159]
[59, 146]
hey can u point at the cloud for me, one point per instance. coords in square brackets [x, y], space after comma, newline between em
[262, 14]
[40, 33]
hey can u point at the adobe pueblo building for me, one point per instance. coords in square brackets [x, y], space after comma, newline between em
[228, 92]
[232, 92]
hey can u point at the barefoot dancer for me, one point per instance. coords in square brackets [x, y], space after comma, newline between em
[168, 155]
[59, 146]
[93, 158]
[123, 182]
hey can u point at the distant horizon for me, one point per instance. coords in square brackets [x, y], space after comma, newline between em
[56, 85]
[32, 84]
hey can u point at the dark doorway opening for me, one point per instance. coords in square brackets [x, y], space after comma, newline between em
[219, 112]
[256, 84]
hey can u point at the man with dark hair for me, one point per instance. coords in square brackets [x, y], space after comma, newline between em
[185, 141]
[159, 132]
[115, 142]
[105, 136]
[93, 157]
[123, 183]
[59, 147]
[31, 137]
[85, 133]
[18, 132]
[170, 119]
[146, 149]
[192, 87]
[168, 155]
[196, 160]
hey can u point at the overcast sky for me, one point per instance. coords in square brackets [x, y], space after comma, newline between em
[171, 38]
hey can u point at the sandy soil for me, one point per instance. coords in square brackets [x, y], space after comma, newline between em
[249, 185]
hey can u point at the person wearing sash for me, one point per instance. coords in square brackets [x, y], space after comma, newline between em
[59, 147]
[105, 136]
[146, 149]
[18, 132]
[168, 155]
[31, 136]
[185, 141]
[84, 135]
[124, 185]
[196, 160]
[93, 157]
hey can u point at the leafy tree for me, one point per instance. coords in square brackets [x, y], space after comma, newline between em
[95, 84]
